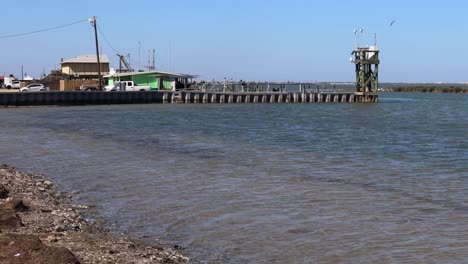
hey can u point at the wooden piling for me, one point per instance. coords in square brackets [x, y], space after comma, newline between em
[336, 98]
[280, 98]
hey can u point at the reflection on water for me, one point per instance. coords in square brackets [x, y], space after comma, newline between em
[265, 183]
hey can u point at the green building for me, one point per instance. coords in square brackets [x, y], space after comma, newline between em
[156, 79]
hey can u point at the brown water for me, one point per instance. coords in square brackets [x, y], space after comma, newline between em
[265, 183]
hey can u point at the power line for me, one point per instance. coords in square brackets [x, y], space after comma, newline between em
[42, 30]
[105, 39]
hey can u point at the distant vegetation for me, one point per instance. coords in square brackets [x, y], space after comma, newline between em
[430, 89]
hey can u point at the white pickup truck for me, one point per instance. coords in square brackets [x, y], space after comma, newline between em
[128, 86]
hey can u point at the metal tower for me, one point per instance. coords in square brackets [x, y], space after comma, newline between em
[367, 69]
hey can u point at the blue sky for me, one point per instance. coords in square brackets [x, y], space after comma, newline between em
[245, 39]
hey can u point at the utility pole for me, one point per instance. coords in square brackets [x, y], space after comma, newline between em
[93, 22]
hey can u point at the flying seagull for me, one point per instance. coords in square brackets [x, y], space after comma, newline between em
[391, 24]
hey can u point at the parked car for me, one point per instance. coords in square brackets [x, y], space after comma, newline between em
[35, 87]
[15, 85]
[8, 82]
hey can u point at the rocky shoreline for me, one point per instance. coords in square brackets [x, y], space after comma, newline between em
[428, 89]
[39, 224]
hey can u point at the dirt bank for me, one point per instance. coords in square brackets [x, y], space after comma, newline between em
[38, 224]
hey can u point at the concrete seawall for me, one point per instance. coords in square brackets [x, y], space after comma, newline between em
[154, 97]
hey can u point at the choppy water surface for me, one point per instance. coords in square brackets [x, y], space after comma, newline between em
[265, 183]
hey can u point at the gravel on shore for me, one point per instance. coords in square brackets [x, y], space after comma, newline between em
[39, 224]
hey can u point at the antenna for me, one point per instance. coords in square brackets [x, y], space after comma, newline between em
[169, 57]
[375, 39]
[154, 55]
[149, 59]
[358, 34]
[355, 35]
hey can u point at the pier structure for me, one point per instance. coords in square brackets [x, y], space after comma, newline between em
[185, 96]
[366, 62]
